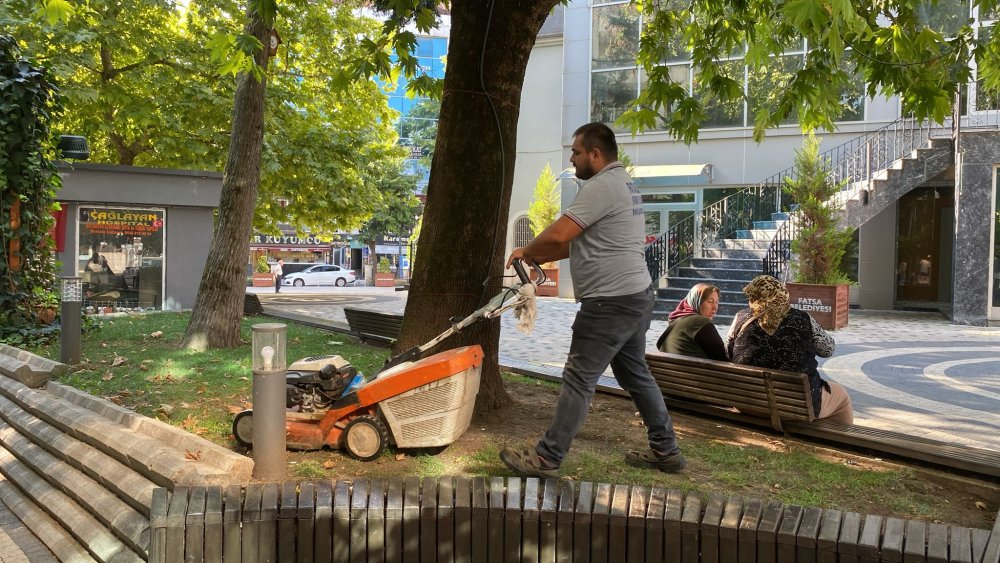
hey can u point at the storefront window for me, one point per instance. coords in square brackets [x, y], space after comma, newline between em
[121, 257]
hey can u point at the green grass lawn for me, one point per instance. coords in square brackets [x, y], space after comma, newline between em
[136, 361]
[127, 361]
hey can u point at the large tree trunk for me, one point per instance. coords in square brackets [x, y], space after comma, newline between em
[465, 221]
[215, 320]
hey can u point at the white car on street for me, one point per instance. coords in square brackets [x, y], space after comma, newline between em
[322, 274]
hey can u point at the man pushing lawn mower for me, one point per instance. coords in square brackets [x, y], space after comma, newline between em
[602, 233]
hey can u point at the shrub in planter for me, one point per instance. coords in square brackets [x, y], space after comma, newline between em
[262, 266]
[542, 212]
[819, 287]
[820, 244]
[384, 266]
[262, 276]
[383, 273]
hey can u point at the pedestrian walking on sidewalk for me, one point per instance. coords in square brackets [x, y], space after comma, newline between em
[279, 271]
[602, 233]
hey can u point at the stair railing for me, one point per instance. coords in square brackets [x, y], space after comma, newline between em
[852, 161]
[853, 164]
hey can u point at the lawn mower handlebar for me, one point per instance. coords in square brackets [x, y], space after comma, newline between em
[523, 275]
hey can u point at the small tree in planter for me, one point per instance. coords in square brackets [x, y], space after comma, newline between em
[541, 213]
[819, 286]
[383, 273]
[262, 276]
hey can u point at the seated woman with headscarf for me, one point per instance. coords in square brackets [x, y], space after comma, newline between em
[690, 331]
[771, 334]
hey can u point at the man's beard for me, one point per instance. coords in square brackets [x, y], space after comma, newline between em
[585, 172]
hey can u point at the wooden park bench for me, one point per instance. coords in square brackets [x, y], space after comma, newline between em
[781, 400]
[374, 327]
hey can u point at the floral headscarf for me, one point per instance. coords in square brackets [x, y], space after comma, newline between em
[768, 300]
[691, 304]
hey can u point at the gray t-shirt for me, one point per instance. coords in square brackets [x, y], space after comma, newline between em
[608, 258]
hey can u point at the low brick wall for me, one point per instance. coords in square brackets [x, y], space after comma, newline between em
[465, 519]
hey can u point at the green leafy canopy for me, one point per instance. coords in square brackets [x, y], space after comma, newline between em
[891, 46]
[141, 81]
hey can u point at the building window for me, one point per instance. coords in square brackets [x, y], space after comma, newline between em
[616, 79]
[522, 232]
[615, 36]
[121, 257]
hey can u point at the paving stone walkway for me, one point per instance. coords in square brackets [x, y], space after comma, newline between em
[910, 372]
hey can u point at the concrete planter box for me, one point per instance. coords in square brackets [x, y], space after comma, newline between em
[828, 304]
[263, 280]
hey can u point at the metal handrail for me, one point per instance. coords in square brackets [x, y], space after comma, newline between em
[853, 163]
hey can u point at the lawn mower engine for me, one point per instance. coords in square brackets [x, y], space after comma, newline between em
[315, 383]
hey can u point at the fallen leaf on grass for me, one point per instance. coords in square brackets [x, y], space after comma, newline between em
[327, 464]
[981, 505]
[189, 422]
[244, 378]
[119, 360]
[104, 344]
[107, 376]
[156, 334]
[400, 456]
[115, 399]
[165, 410]
[233, 409]
[636, 423]
[143, 367]
[193, 456]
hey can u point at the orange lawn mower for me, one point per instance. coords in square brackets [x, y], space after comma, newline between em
[411, 403]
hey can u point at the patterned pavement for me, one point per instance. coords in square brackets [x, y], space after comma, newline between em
[910, 372]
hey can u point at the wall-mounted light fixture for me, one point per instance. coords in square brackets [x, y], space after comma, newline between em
[864, 197]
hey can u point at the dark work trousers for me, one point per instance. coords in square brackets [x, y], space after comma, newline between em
[277, 283]
[608, 331]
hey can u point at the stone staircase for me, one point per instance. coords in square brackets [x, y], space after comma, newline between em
[731, 263]
[728, 265]
[892, 183]
[79, 471]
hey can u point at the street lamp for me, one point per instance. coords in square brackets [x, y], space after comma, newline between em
[69, 311]
[268, 351]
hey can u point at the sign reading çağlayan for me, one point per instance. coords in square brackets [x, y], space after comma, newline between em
[114, 221]
[812, 304]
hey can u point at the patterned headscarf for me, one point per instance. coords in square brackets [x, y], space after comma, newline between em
[691, 304]
[768, 300]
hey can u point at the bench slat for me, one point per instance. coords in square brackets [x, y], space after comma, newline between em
[372, 325]
[735, 388]
[728, 395]
[985, 462]
[725, 371]
[746, 408]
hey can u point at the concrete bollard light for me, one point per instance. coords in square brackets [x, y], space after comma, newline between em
[70, 308]
[268, 344]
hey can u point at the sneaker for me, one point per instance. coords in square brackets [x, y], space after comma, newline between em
[669, 463]
[527, 463]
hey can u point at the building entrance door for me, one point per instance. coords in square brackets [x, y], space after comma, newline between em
[664, 210]
[924, 239]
